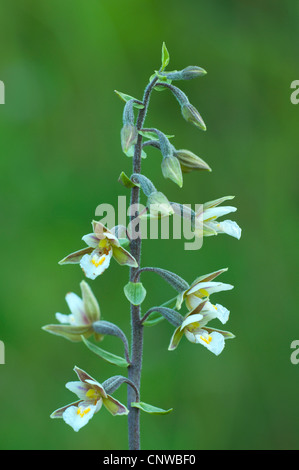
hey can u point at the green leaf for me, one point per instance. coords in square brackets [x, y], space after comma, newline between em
[107, 356]
[126, 182]
[130, 152]
[161, 87]
[153, 410]
[135, 292]
[124, 97]
[154, 319]
[162, 79]
[152, 135]
[165, 56]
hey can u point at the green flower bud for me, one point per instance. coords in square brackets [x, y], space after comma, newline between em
[171, 169]
[187, 73]
[189, 161]
[159, 205]
[192, 72]
[128, 136]
[190, 114]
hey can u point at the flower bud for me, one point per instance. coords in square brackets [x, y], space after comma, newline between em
[159, 205]
[192, 72]
[189, 161]
[190, 114]
[171, 169]
[187, 73]
[129, 136]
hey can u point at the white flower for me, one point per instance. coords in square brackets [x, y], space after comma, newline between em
[205, 221]
[195, 329]
[211, 212]
[91, 396]
[102, 245]
[200, 291]
[84, 312]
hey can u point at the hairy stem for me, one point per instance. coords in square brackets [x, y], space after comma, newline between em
[134, 370]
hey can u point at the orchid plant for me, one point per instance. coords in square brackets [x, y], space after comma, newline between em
[124, 245]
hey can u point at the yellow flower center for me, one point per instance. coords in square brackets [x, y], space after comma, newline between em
[203, 293]
[207, 339]
[104, 243]
[99, 262]
[92, 395]
[83, 412]
[193, 326]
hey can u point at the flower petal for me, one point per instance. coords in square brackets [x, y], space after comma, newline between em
[216, 212]
[59, 412]
[176, 338]
[79, 388]
[70, 332]
[114, 406]
[225, 334]
[78, 416]
[230, 228]
[95, 264]
[192, 301]
[210, 287]
[75, 257]
[99, 229]
[216, 202]
[222, 313]
[123, 257]
[76, 306]
[209, 277]
[67, 319]
[214, 342]
[96, 386]
[91, 306]
[191, 319]
[91, 240]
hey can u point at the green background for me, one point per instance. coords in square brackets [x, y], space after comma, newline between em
[61, 157]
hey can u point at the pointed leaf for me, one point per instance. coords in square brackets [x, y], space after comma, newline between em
[153, 410]
[126, 182]
[124, 97]
[165, 56]
[107, 356]
[152, 135]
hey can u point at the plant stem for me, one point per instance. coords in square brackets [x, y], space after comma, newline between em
[134, 370]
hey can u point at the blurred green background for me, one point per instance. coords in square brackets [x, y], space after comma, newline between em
[61, 157]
